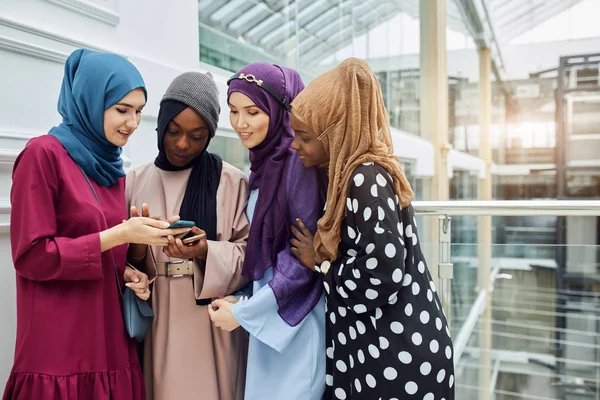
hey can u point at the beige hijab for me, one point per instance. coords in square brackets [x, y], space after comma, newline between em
[344, 106]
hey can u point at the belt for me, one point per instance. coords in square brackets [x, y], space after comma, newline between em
[175, 268]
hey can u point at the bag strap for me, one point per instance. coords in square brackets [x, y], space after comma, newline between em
[109, 250]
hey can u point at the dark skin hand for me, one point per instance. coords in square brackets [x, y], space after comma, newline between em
[176, 248]
[302, 245]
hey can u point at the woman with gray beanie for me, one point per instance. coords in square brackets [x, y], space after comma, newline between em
[185, 357]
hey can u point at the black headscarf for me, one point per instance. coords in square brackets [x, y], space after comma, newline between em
[200, 199]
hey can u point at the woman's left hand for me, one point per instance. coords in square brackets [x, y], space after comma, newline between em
[137, 281]
[302, 245]
[221, 316]
[176, 248]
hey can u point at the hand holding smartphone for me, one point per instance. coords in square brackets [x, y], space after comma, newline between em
[194, 239]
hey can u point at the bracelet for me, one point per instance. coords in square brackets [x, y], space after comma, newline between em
[138, 258]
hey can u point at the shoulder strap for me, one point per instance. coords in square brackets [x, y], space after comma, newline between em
[109, 250]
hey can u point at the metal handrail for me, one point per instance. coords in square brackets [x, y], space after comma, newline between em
[509, 207]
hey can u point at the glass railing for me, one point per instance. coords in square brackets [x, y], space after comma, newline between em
[529, 328]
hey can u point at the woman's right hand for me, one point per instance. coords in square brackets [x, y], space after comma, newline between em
[145, 230]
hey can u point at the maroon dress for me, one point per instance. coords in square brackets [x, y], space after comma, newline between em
[71, 340]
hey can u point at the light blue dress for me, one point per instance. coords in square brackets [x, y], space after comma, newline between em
[284, 362]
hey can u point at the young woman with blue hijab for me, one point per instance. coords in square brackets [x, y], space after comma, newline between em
[285, 315]
[71, 340]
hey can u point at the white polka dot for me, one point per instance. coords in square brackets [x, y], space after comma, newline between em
[397, 275]
[351, 253]
[342, 292]
[378, 313]
[379, 230]
[391, 205]
[340, 365]
[360, 309]
[393, 298]
[429, 396]
[329, 380]
[352, 333]
[368, 163]
[375, 281]
[416, 288]
[358, 238]
[373, 351]
[390, 373]
[432, 286]
[361, 356]
[367, 213]
[351, 233]
[349, 203]
[380, 180]
[374, 191]
[409, 231]
[408, 310]
[417, 339]
[370, 379]
[425, 368]
[429, 295]
[350, 284]
[438, 324]
[342, 311]
[411, 387]
[383, 343]
[370, 247]
[332, 318]
[342, 338]
[400, 228]
[340, 394]
[371, 294]
[424, 317]
[448, 352]
[329, 352]
[451, 381]
[441, 375]
[380, 213]
[421, 267]
[356, 273]
[359, 179]
[326, 285]
[448, 331]
[390, 250]
[415, 239]
[361, 328]
[355, 205]
[397, 327]
[405, 357]
[371, 263]
[434, 346]
[407, 280]
[357, 385]
[351, 361]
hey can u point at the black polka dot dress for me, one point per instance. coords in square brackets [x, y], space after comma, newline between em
[387, 337]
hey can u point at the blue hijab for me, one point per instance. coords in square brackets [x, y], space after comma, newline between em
[93, 82]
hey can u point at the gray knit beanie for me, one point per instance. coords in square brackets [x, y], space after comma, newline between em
[198, 91]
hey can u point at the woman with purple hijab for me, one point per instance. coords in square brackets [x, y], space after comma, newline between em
[285, 314]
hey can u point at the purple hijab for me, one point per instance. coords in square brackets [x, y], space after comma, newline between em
[287, 191]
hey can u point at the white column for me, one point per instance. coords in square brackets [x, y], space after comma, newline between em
[484, 232]
[434, 109]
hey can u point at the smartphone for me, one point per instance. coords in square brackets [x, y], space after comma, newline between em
[194, 239]
[180, 223]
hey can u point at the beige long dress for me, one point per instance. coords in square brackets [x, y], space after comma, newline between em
[185, 356]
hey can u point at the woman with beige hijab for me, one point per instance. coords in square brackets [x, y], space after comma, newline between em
[387, 336]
